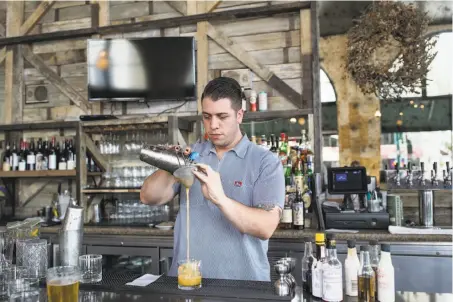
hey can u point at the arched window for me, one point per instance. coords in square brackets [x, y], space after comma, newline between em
[327, 91]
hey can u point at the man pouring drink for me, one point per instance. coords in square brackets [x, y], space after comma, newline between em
[235, 206]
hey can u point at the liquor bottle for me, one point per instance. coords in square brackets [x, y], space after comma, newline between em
[31, 157]
[298, 212]
[62, 163]
[374, 258]
[386, 276]
[351, 270]
[307, 263]
[53, 155]
[283, 149]
[286, 220]
[14, 158]
[45, 155]
[244, 100]
[288, 172]
[22, 156]
[7, 158]
[298, 175]
[73, 151]
[332, 275]
[273, 148]
[39, 156]
[316, 270]
[367, 278]
[70, 164]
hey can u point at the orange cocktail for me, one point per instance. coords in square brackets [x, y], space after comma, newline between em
[189, 274]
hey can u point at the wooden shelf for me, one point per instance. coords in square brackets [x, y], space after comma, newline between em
[39, 126]
[259, 115]
[102, 191]
[47, 173]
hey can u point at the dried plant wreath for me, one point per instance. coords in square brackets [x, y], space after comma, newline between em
[388, 52]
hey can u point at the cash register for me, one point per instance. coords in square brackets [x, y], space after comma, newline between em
[361, 207]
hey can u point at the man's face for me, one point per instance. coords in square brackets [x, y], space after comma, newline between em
[221, 121]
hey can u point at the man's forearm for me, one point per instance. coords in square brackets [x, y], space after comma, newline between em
[157, 189]
[257, 222]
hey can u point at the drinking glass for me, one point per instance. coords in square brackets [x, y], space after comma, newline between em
[189, 274]
[32, 253]
[23, 284]
[63, 284]
[90, 268]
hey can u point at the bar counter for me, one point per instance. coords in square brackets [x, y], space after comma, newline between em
[109, 296]
[363, 235]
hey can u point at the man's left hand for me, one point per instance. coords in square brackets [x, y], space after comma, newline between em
[211, 184]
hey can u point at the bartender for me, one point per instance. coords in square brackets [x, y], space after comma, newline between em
[235, 206]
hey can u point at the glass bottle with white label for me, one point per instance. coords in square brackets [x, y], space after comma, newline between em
[351, 270]
[316, 270]
[286, 220]
[332, 275]
[386, 276]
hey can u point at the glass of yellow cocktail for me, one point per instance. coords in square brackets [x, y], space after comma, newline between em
[189, 274]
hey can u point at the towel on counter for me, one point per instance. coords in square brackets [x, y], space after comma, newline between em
[428, 231]
[144, 280]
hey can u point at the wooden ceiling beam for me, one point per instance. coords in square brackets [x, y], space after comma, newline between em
[233, 14]
[55, 79]
[212, 5]
[30, 23]
[262, 71]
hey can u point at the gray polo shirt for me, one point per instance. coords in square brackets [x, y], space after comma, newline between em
[250, 175]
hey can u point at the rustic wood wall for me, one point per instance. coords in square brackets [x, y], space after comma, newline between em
[272, 41]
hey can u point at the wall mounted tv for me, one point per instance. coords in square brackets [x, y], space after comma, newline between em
[141, 69]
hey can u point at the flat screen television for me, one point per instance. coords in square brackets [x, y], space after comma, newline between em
[147, 69]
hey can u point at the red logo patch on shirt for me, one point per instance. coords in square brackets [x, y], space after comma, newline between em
[238, 183]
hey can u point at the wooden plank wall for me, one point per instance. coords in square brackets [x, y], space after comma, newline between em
[273, 41]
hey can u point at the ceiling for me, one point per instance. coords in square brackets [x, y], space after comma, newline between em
[336, 17]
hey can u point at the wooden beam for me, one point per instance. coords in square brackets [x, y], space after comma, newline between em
[316, 87]
[37, 15]
[93, 150]
[2, 30]
[306, 57]
[161, 23]
[191, 7]
[202, 54]
[212, 5]
[81, 167]
[262, 71]
[28, 25]
[14, 65]
[179, 6]
[55, 80]
[100, 17]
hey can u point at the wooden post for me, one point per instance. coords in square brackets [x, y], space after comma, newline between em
[202, 53]
[81, 168]
[14, 65]
[315, 87]
[101, 19]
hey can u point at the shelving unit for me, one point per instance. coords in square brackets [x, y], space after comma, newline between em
[38, 174]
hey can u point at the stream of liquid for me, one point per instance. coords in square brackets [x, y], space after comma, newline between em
[188, 223]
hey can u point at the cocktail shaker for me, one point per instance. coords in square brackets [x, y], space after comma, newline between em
[166, 158]
[71, 236]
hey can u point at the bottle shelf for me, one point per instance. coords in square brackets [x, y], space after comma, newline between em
[44, 173]
[113, 190]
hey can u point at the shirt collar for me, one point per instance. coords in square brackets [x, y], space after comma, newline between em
[240, 149]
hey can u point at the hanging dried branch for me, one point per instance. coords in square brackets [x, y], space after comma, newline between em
[386, 32]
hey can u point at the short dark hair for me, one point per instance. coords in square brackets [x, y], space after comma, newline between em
[222, 88]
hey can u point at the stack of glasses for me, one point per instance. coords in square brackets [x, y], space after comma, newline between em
[20, 277]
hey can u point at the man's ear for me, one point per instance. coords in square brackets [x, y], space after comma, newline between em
[240, 116]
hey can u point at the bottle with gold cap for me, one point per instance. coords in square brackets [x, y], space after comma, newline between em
[316, 275]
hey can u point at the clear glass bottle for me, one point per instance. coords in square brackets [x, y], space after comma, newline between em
[367, 278]
[386, 276]
[351, 270]
[374, 258]
[307, 263]
[316, 269]
[332, 275]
